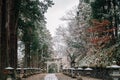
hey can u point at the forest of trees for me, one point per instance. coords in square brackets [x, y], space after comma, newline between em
[91, 37]
[23, 21]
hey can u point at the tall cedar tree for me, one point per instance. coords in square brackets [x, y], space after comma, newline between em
[8, 32]
[31, 13]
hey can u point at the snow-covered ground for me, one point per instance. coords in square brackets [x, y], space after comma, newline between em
[50, 77]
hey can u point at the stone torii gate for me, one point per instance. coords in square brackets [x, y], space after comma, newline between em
[56, 61]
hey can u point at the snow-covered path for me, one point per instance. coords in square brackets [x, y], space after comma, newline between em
[50, 77]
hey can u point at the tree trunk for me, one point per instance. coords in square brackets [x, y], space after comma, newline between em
[13, 33]
[27, 54]
[3, 38]
[3, 35]
[8, 35]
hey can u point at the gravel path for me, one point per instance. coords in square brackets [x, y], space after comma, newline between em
[50, 77]
[57, 76]
[64, 77]
[89, 78]
[36, 77]
[61, 76]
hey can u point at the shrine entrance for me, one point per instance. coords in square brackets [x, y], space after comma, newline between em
[54, 65]
[53, 68]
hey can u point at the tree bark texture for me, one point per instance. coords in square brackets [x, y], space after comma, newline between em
[3, 38]
[8, 35]
[27, 54]
[12, 35]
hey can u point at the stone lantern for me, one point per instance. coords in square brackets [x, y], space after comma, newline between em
[114, 71]
[10, 73]
[88, 71]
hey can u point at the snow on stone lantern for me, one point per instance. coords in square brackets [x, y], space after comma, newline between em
[9, 69]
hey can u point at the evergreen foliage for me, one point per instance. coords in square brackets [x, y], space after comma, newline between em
[31, 23]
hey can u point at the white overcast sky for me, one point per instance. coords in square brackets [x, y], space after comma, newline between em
[58, 10]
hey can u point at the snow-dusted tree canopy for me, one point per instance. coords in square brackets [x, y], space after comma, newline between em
[74, 36]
